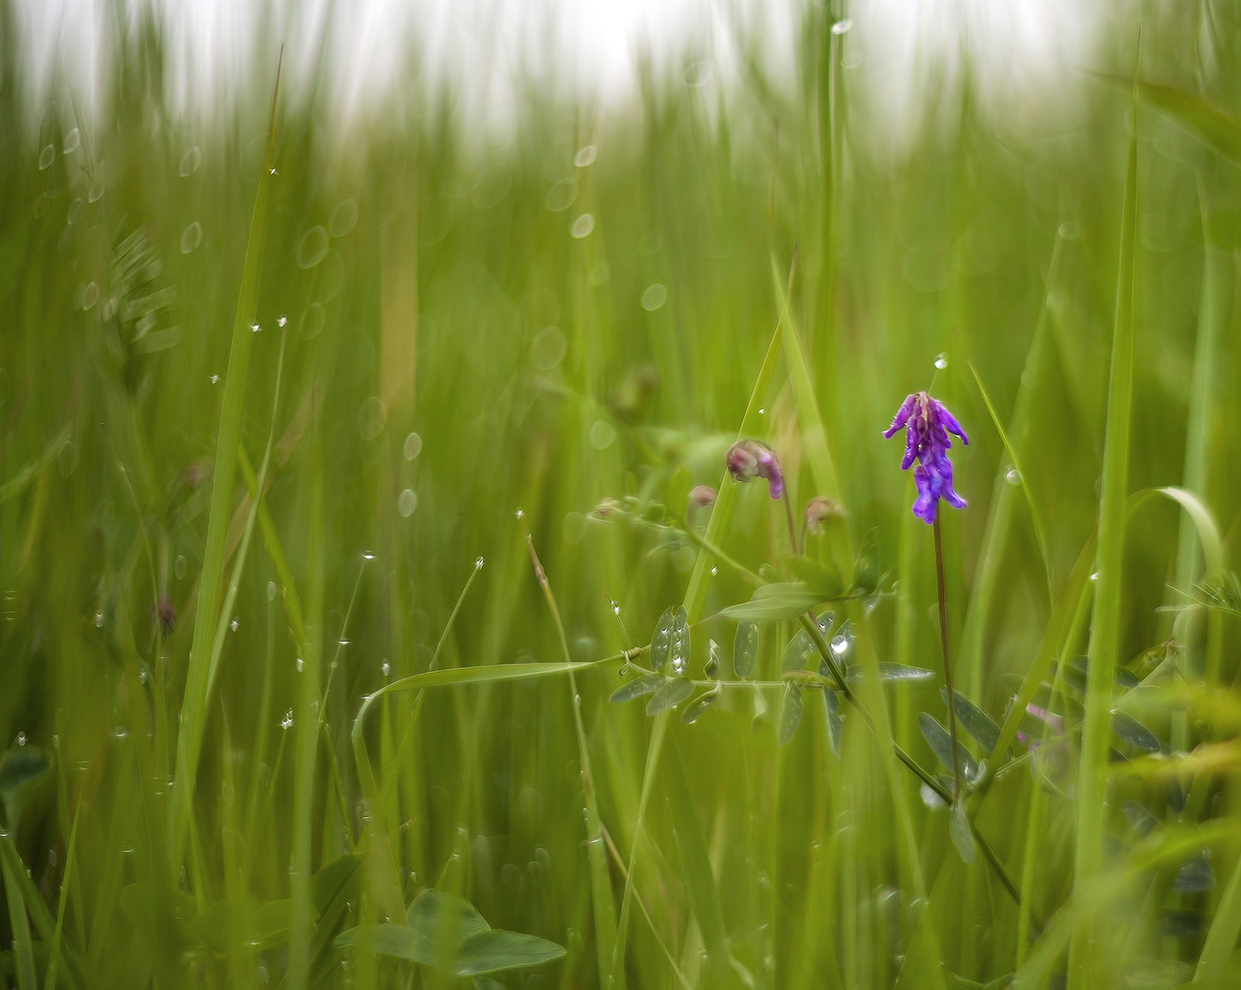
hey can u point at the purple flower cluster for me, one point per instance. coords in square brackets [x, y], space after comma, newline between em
[927, 424]
[750, 459]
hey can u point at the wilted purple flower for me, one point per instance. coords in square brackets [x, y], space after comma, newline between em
[818, 510]
[701, 496]
[750, 459]
[927, 424]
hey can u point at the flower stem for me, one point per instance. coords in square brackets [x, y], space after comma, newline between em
[943, 642]
[788, 511]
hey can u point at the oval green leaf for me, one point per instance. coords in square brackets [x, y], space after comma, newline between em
[745, 649]
[671, 693]
[790, 714]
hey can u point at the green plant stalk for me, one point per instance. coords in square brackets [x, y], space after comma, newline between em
[23, 947]
[307, 726]
[946, 653]
[196, 701]
[1105, 622]
[600, 885]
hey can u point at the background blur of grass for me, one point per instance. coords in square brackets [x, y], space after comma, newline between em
[460, 368]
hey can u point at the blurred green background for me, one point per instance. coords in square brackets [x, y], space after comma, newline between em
[475, 341]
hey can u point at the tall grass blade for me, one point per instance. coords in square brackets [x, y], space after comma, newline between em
[196, 700]
[1105, 622]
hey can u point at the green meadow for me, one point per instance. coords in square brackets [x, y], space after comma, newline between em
[363, 622]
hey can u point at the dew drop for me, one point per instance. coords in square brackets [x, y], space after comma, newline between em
[941, 362]
[76, 209]
[385, 668]
[73, 141]
[368, 554]
[585, 156]
[98, 620]
[282, 320]
[288, 716]
[602, 434]
[235, 624]
[1013, 476]
[190, 161]
[413, 446]
[46, 157]
[406, 503]
[478, 563]
[271, 591]
[21, 739]
[255, 327]
[654, 297]
[521, 513]
[344, 218]
[300, 664]
[714, 570]
[215, 379]
[312, 248]
[191, 237]
[90, 295]
[561, 196]
[142, 675]
[583, 226]
[842, 27]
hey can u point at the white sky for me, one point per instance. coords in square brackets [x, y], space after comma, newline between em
[1018, 47]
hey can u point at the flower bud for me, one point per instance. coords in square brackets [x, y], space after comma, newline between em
[750, 459]
[819, 509]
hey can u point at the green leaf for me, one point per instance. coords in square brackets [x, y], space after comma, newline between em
[1134, 732]
[673, 691]
[1204, 522]
[661, 641]
[835, 728]
[638, 687]
[790, 714]
[447, 933]
[775, 603]
[973, 720]
[1217, 129]
[823, 579]
[801, 649]
[678, 647]
[331, 878]
[698, 708]
[745, 649]
[22, 765]
[959, 829]
[941, 745]
[894, 672]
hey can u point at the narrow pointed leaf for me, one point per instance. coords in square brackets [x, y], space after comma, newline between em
[835, 728]
[941, 745]
[638, 687]
[661, 641]
[1134, 732]
[775, 603]
[973, 720]
[959, 829]
[745, 649]
[790, 714]
[671, 693]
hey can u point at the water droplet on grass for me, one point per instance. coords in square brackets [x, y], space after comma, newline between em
[602, 434]
[313, 320]
[312, 248]
[73, 141]
[372, 418]
[75, 211]
[214, 379]
[90, 295]
[561, 196]
[478, 563]
[190, 161]
[583, 226]
[288, 716]
[1013, 476]
[407, 503]
[301, 664]
[46, 157]
[842, 27]
[235, 624]
[585, 156]
[547, 349]
[98, 620]
[191, 237]
[941, 362]
[271, 591]
[413, 446]
[255, 327]
[282, 320]
[344, 218]
[654, 297]
[21, 739]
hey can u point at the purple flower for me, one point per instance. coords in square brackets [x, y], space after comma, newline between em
[750, 459]
[927, 424]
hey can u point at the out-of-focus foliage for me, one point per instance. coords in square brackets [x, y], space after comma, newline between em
[476, 344]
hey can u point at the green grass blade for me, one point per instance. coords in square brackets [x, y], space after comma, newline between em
[196, 700]
[1105, 622]
[1040, 531]
[23, 948]
[1222, 935]
[306, 744]
[699, 879]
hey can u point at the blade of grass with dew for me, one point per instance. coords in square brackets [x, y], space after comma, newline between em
[596, 854]
[23, 948]
[306, 745]
[1040, 531]
[196, 699]
[1105, 622]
